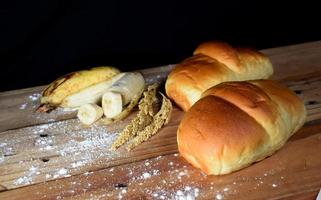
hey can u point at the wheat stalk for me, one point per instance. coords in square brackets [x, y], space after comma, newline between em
[160, 119]
[142, 119]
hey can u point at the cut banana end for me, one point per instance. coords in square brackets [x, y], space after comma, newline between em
[89, 113]
[126, 111]
[112, 104]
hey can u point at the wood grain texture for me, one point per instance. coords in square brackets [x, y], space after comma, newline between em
[53, 156]
[294, 60]
[18, 106]
[290, 173]
[66, 137]
[287, 61]
[67, 148]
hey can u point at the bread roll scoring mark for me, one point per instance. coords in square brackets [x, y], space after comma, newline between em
[237, 123]
[215, 141]
[212, 64]
[248, 97]
[222, 52]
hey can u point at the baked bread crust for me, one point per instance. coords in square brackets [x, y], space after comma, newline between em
[213, 63]
[237, 123]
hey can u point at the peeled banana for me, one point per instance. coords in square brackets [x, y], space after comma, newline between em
[71, 83]
[91, 94]
[122, 92]
[128, 85]
[89, 113]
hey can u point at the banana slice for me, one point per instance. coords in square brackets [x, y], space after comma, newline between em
[126, 111]
[89, 113]
[112, 104]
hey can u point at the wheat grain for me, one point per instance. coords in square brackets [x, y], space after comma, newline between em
[160, 119]
[143, 118]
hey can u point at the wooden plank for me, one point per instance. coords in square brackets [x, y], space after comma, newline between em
[308, 88]
[292, 172]
[17, 107]
[18, 110]
[296, 59]
[66, 148]
[63, 148]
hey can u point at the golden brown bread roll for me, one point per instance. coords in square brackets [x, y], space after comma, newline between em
[214, 63]
[237, 123]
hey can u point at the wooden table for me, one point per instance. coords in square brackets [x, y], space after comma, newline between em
[52, 156]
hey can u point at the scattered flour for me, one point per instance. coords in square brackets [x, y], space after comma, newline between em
[79, 163]
[44, 143]
[32, 170]
[32, 101]
[80, 146]
[23, 106]
[88, 173]
[48, 176]
[187, 193]
[62, 171]
[35, 97]
[146, 175]
[23, 180]
[3, 144]
[219, 196]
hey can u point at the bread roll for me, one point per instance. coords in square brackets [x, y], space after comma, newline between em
[237, 123]
[214, 63]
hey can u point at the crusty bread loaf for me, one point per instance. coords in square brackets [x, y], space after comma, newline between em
[214, 63]
[237, 123]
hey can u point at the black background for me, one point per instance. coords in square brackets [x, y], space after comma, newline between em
[41, 40]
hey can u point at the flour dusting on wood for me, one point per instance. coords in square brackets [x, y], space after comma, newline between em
[56, 150]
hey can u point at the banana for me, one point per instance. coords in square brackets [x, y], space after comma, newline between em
[89, 113]
[121, 93]
[71, 83]
[128, 86]
[125, 112]
[112, 104]
[91, 94]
